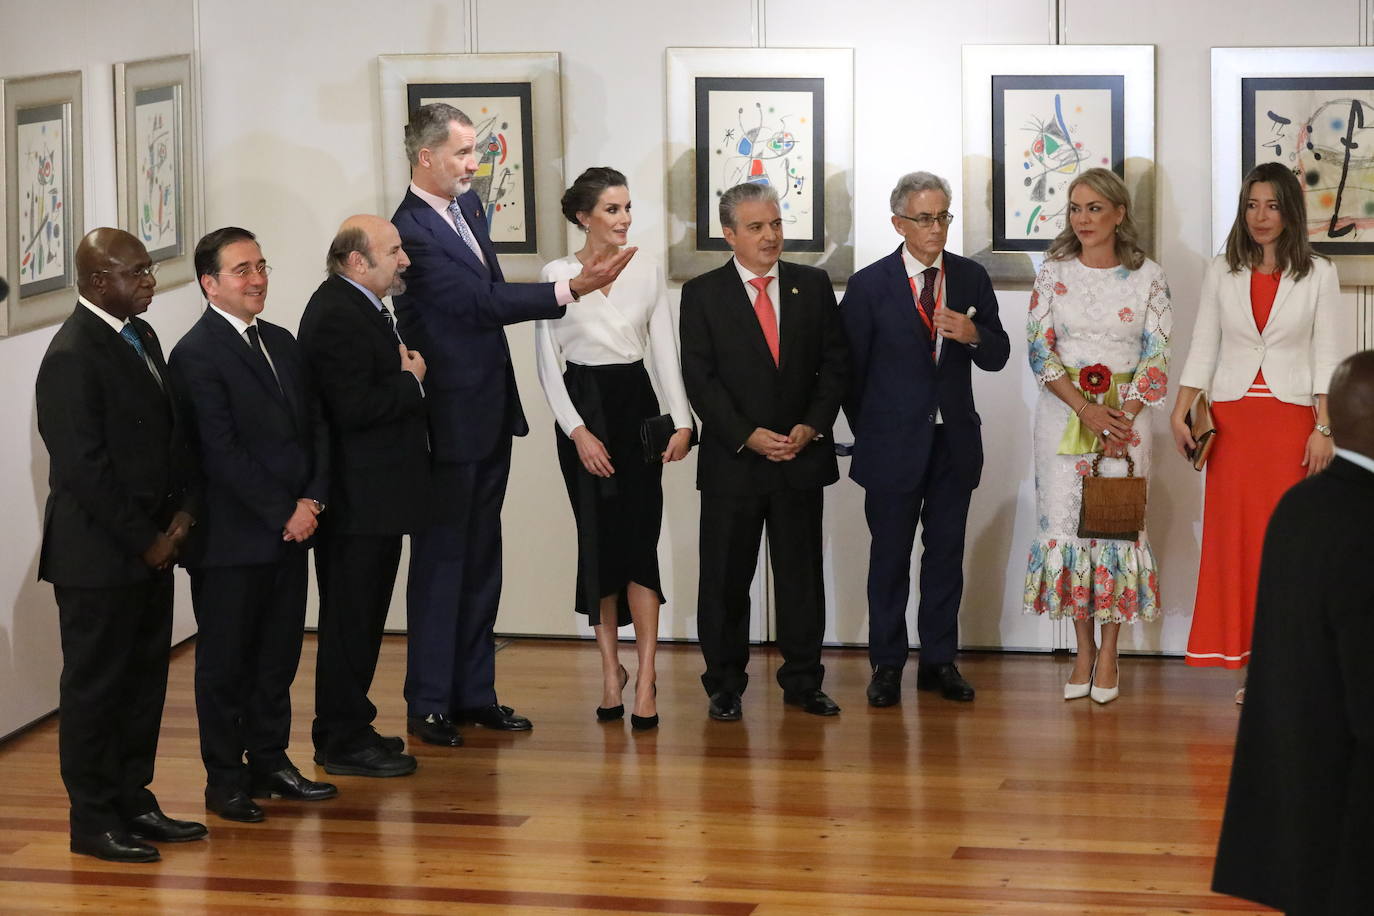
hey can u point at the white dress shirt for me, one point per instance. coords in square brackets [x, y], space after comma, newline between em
[1364, 461]
[615, 329]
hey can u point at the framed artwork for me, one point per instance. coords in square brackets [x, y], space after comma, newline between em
[780, 117]
[1312, 111]
[1035, 118]
[515, 103]
[157, 171]
[41, 197]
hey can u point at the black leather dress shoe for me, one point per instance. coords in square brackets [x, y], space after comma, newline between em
[368, 761]
[725, 707]
[233, 806]
[393, 743]
[501, 718]
[290, 784]
[813, 701]
[158, 827]
[886, 687]
[114, 846]
[434, 728]
[946, 679]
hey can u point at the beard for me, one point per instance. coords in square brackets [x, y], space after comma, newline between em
[397, 286]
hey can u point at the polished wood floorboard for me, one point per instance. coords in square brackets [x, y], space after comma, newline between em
[1018, 803]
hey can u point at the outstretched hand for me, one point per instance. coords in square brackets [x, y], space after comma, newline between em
[601, 270]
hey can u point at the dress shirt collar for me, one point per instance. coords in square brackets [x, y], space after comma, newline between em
[1364, 461]
[371, 296]
[438, 204]
[115, 324]
[238, 324]
[745, 274]
[914, 267]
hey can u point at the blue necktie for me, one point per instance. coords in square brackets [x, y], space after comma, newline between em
[130, 335]
[465, 231]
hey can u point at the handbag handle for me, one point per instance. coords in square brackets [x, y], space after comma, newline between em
[1130, 465]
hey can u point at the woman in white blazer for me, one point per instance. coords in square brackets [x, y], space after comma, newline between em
[1266, 340]
[591, 365]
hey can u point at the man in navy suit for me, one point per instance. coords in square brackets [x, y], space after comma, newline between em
[264, 451]
[917, 320]
[454, 310]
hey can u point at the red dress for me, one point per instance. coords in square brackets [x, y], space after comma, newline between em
[1257, 457]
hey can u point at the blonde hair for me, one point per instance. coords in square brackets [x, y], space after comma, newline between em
[1066, 245]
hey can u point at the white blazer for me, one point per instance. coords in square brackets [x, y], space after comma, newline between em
[1298, 350]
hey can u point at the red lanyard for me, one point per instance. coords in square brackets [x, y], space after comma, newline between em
[920, 309]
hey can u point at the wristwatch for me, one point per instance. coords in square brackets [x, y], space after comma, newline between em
[1324, 430]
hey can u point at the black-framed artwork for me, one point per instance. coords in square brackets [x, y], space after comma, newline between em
[503, 119]
[768, 131]
[1046, 131]
[1321, 128]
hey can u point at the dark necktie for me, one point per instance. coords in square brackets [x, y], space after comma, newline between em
[390, 323]
[256, 344]
[925, 303]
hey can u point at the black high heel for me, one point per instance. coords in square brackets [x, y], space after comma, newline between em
[645, 723]
[612, 713]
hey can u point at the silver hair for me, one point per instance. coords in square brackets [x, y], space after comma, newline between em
[428, 127]
[915, 183]
[740, 193]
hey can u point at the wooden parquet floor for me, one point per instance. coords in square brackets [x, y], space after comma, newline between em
[1019, 803]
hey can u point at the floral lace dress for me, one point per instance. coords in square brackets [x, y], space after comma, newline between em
[1083, 317]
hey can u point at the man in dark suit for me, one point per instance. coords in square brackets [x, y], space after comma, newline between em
[122, 494]
[454, 310]
[917, 320]
[264, 452]
[371, 385]
[765, 363]
[1297, 834]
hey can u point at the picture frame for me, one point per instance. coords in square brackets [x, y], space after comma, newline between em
[42, 197]
[781, 116]
[157, 162]
[1036, 116]
[515, 103]
[1309, 109]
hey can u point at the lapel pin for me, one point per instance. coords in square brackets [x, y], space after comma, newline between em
[794, 291]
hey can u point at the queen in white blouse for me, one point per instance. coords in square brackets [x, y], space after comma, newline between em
[591, 365]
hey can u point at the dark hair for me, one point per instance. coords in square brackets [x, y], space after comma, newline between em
[1292, 252]
[428, 127]
[733, 197]
[209, 247]
[1066, 245]
[348, 240]
[587, 190]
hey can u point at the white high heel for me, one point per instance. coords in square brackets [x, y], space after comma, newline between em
[1104, 695]
[1079, 691]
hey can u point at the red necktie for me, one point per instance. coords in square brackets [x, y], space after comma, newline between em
[768, 319]
[925, 302]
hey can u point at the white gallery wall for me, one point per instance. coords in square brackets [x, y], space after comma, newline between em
[290, 113]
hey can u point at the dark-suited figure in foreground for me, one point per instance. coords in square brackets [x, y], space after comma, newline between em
[122, 499]
[765, 364]
[454, 310]
[264, 453]
[371, 385]
[1298, 832]
[917, 321]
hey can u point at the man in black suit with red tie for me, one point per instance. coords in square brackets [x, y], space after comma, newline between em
[264, 452]
[766, 365]
[122, 500]
[374, 402]
[918, 320]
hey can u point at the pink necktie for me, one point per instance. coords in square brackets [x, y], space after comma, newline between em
[768, 319]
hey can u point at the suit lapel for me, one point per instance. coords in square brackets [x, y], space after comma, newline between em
[239, 349]
[471, 205]
[446, 235]
[904, 300]
[738, 305]
[1240, 283]
[127, 357]
[1286, 284]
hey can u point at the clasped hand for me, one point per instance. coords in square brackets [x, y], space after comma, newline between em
[777, 447]
[303, 521]
[1113, 426]
[165, 547]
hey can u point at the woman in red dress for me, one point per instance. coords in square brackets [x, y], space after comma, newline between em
[1265, 342]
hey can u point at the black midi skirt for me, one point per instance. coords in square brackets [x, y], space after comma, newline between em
[618, 517]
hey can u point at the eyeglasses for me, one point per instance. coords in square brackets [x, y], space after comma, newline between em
[137, 273]
[243, 273]
[925, 220]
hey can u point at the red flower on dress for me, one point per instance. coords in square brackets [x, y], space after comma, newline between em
[1051, 338]
[1083, 468]
[1135, 438]
[1095, 379]
[1153, 384]
[1080, 596]
[1060, 289]
[1035, 299]
[1126, 315]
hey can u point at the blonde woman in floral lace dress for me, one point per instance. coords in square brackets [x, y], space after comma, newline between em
[1098, 332]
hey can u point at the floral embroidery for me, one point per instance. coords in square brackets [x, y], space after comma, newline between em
[1050, 338]
[1135, 443]
[1126, 315]
[1095, 379]
[1060, 289]
[1035, 299]
[1152, 385]
[1082, 467]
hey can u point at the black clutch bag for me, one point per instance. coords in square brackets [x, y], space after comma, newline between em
[654, 433]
